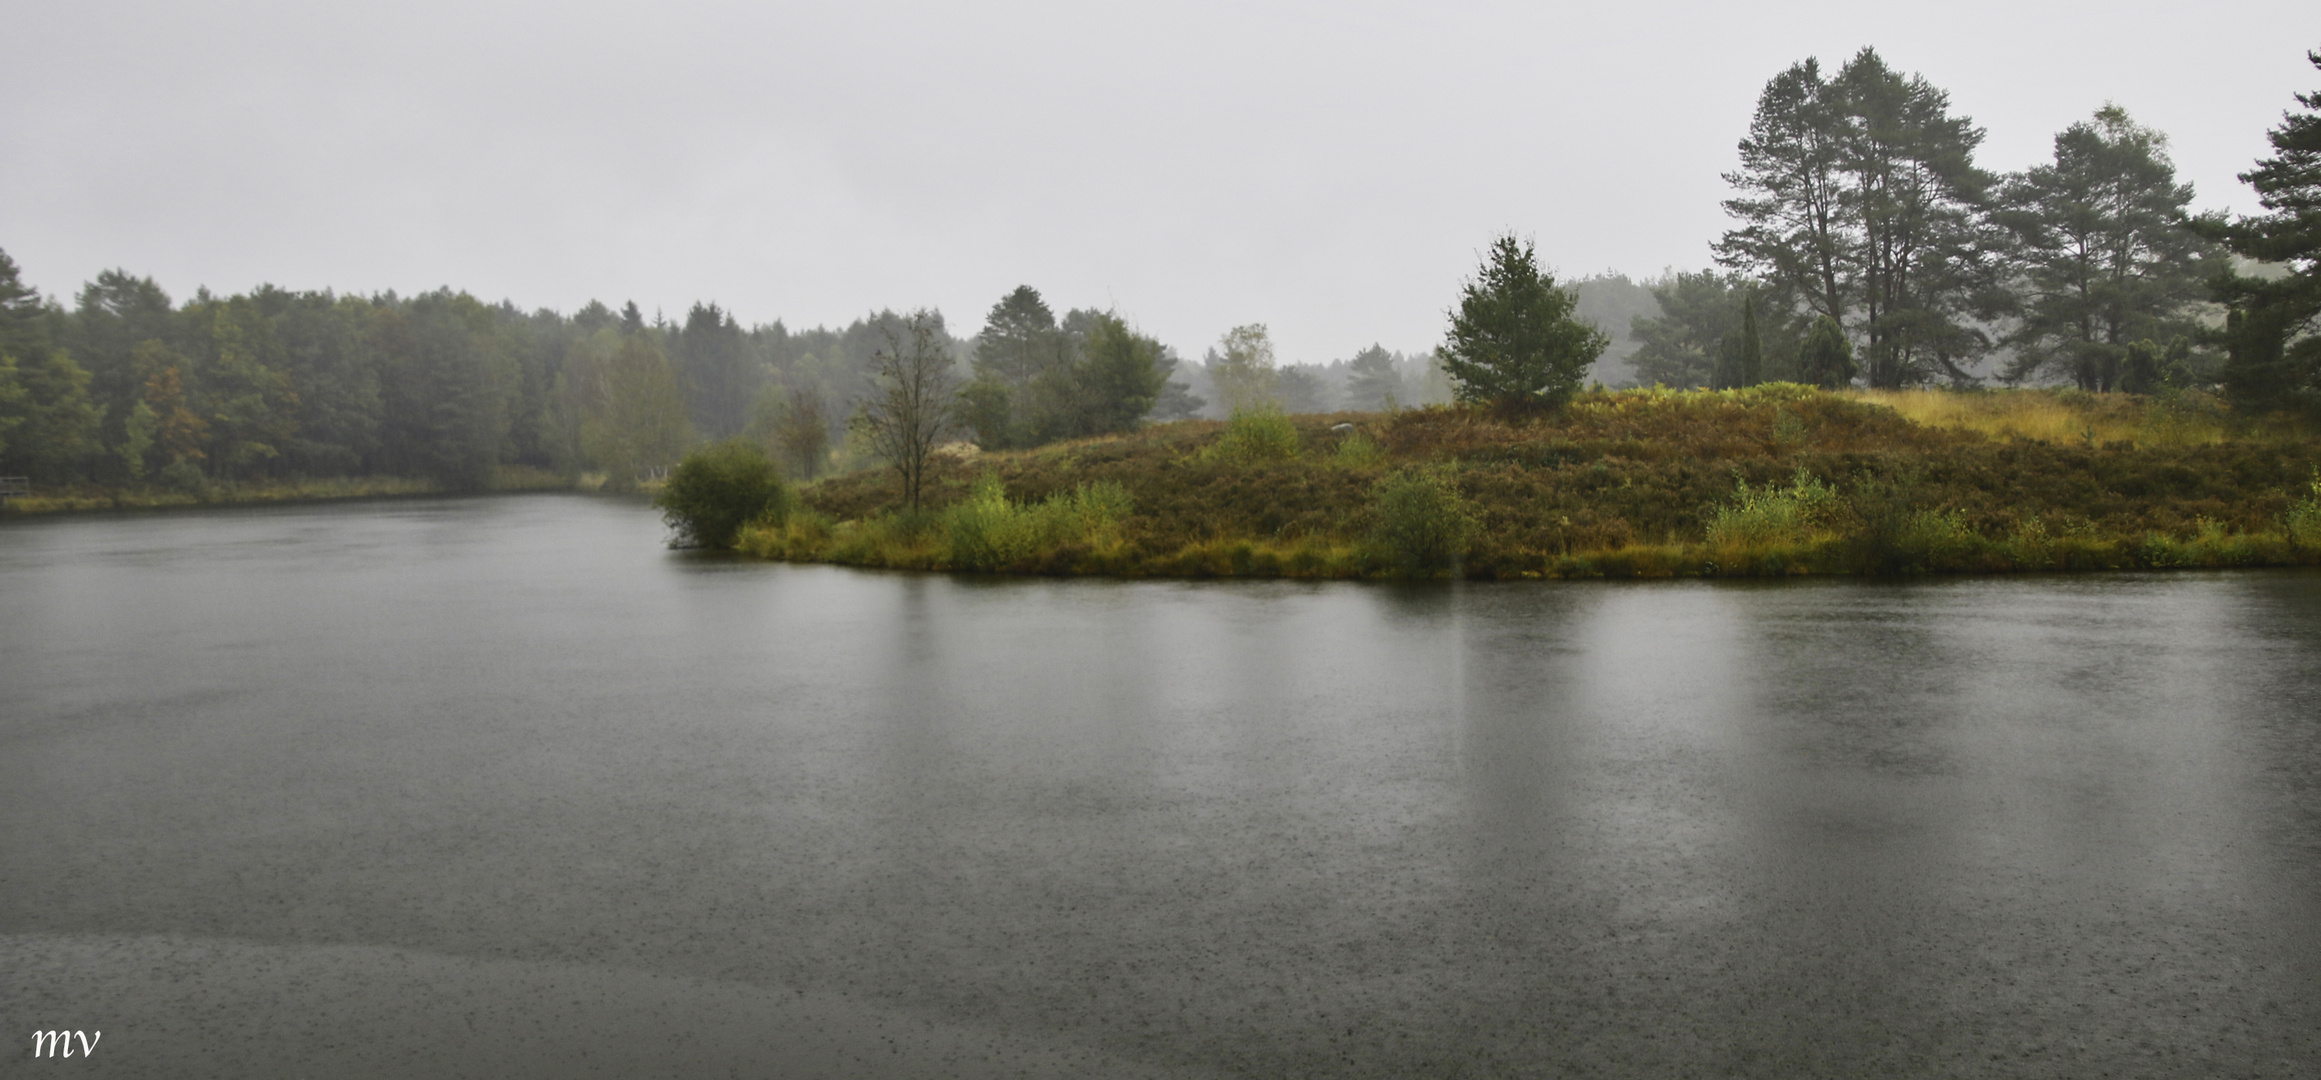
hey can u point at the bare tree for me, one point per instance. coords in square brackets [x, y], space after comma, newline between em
[803, 432]
[915, 403]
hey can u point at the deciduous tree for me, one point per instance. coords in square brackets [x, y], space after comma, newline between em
[1242, 368]
[916, 401]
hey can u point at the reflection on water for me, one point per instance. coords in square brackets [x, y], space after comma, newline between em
[2051, 826]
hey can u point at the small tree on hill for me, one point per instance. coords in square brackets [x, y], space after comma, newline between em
[1242, 369]
[916, 402]
[1513, 340]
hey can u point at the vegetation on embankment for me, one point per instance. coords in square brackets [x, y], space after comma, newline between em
[1775, 479]
[224, 493]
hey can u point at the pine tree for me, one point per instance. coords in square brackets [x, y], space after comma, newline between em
[1827, 358]
[713, 366]
[2273, 335]
[1859, 195]
[1121, 376]
[1372, 383]
[1020, 344]
[2106, 251]
[1513, 341]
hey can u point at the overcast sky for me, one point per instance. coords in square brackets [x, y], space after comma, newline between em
[1330, 169]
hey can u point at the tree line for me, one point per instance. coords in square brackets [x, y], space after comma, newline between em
[127, 387]
[1869, 246]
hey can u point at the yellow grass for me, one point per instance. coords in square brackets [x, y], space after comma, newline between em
[2063, 416]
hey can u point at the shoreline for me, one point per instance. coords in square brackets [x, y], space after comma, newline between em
[87, 499]
[1771, 481]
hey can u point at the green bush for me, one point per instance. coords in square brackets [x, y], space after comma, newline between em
[1359, 451]
[1423, 522]
[1773, 514]
[719, 488]
[2304, 517]
[185, 478]
[987, 532]
[1254, 435]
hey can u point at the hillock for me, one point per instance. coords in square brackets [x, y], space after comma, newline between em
[1777, 479]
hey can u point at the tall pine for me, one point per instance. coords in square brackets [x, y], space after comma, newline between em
[2273, 350]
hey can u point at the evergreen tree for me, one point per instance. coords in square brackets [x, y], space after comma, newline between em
[2105, 251]
[334, 371]
[1859, 195]
[1303, 391]
[594, 316]
[1826, 359]
[116, 313]
[2273, 335]
[1513, 341]
[1177, 400]
[1121, 376]
[1372, 382]
[1018, 342]
[713, 365]
[1699, 312]
[23, 318]
[1740, 355]
[1020, 345]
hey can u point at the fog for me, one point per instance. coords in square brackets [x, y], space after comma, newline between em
[1329, 170]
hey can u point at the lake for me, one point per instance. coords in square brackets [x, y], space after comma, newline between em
[503, 787]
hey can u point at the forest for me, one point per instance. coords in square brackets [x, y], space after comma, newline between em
[1868, 249]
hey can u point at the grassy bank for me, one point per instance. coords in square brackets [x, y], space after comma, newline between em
[509, 478]
[1766, 481]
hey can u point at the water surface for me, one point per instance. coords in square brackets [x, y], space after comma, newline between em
[503, 787]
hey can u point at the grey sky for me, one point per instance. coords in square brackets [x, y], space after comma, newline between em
[1329, 169]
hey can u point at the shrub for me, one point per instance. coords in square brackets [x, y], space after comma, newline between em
[987, 532]
[1772, 514]
[2304, 517]
[1423, 522]
[1894, 534]
[719, 488]
[800, 536]
[1254, 435]
[1359, 451]
[185, 478]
